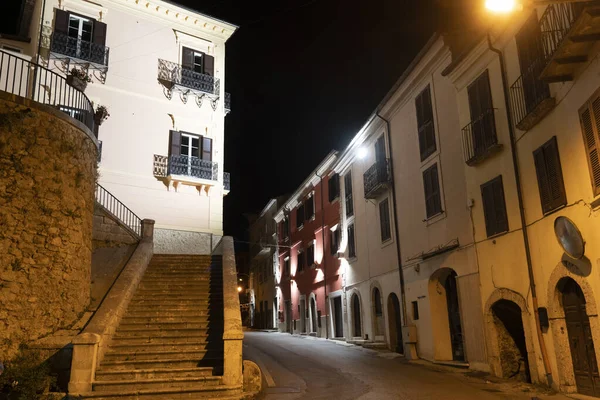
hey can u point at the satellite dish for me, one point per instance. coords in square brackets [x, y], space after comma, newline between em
[569, 237]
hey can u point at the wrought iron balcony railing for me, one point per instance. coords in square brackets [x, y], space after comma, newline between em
[79, 49]
[26, 79]
[556, 23]
[530, 97]
[174, 76]
[227, 102]
[193, 167]
[479, 138]
[226, 181]
[377, 178]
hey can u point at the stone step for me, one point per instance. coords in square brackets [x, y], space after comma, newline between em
[165, 363]
[157, 373]
[173, 317]
[160, 304]
[175, 275]
[175, 284]
[158, 333]
[221, 392]
[163, 325]
[153, 347]
[160, 383]
[173, 293]
[143, 308]
[144, 312]
[157, 355]
[164, 339]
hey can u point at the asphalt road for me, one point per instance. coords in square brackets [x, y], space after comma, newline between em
[305, 368]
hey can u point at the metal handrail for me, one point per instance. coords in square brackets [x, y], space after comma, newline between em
[378, 174]
[79, 48]
[176, 74]
[479, 136]
[555, 24]
[118, 209]
[528, 91]
[24, 78]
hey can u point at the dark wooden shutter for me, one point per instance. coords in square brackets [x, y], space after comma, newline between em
[494, 206]
[61, 21]
[384, 220]
[309, 207]
[300, 216]
[380, 149]
[187, 58]
[206, 149]
[427, 145]
[590, 126]
[99, 33]
[549, 175]
[25, 18]
[431, 185]
[209, 65]
[480, 99]
[174, 143]
[334, 187]
[351, 242]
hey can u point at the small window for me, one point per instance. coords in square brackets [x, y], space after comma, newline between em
[335, 241]
[310, 255]
[494, 207]
[433, 198]
[482, 130]
[351, 243]
[334, 187]
[285, 228]
[349, 199]
[300, 215]
[427, 145]
[300, 261]
[384, 220]
[198, 62]
[309, 208]
[415, 310]
[190, 145]
[286, 267]
[549, 176]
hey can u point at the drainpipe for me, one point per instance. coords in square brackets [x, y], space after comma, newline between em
[324, 259]
[515, 161]
[396, 229]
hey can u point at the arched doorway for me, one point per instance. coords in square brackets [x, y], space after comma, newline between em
[510, 333]
[356, 324]
[445, 316]
[581, 342]
[395, 324]
[378, 320]
[313, 315]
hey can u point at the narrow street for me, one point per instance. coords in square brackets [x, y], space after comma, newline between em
[304, 368]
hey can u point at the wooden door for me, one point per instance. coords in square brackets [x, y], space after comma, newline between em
[356, 316]
[288, 316]
[583, 354]
[458, 352]
[337, 317]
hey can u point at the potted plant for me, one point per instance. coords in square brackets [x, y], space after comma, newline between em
[78, 79]
[101, 114]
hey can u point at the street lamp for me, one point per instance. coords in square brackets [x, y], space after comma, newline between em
[508, 6]
[239, 289]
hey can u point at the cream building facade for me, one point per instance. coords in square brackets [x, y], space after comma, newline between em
[159, 69]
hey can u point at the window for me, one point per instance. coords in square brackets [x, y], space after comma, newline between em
[79, 37]
[384, 220]
[589, 116]
[334, 187]
[310, 255]
[425, 126]
[549, 176]
[285, 228]
[286, 266]
[433, 198]
[309, 208]
[190, 145]
[335, 241]
[494, 207]
[349, 201]
[351, 244]
[80, 27]
[300, 216]
[380, 154]
[377, 302]
[197, 61]
[482, 132]
[300, 261]
[415, 310]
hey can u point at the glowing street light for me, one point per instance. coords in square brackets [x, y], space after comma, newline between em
[501, 6]
[362, 153]
[239, 289]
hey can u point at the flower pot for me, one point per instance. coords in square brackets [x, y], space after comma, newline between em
[76, 83]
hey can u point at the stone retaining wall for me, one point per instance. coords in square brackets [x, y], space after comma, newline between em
[47, 178]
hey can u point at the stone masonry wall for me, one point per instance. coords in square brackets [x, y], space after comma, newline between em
[47, 178]
[107, 232]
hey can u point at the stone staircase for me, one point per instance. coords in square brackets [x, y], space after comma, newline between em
[169, 342]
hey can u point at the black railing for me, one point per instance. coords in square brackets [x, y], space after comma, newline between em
[185, 166]
[175, 75]
[26, 79]
[528, 91]
[227, 102]
[376, 178]
[80, 49]
[118, 210]
[556, 23]
[479, 137]
[226, 180]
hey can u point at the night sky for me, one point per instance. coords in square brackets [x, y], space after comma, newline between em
[304, 76]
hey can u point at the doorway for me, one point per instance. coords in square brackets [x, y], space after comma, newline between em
[508, 323]
[303, 315]
[313, 315]
[379, 331]
[288, 316]
[395, 323]
[581, 343]
[356, 325]
[337, 317]
[456, 337]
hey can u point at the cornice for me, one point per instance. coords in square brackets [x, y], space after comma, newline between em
[348, 157]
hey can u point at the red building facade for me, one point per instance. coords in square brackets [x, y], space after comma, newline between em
[308, 244]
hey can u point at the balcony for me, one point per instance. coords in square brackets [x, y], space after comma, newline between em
[188, 170]
[530, 97]
[479, 138]
[227, 103]
[569, 31]
[176, 78]
[377, 179]
[77, 51]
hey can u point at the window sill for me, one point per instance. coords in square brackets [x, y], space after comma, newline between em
[497, 235]
[547, 213]
[299, 228]
[386, 243]
[336, 200]
[435, 218]
[352, 259]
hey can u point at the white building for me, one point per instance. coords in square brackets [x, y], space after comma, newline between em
[159, 69]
